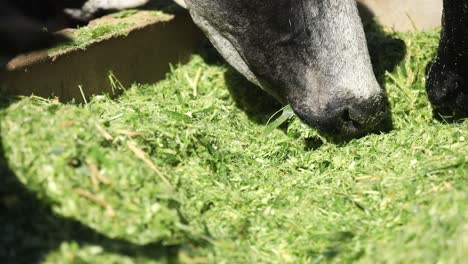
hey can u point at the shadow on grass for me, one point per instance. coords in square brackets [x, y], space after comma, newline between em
[386, 52]
[30, 230]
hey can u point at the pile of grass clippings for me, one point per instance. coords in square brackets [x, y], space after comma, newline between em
[181, 171]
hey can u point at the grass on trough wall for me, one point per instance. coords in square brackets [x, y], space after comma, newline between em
[183, 171]
[117, 24]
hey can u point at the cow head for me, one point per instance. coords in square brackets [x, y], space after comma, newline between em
[311, 54]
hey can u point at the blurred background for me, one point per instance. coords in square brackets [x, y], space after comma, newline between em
[404, 15]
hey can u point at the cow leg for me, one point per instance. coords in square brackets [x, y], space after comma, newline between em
[447, 82]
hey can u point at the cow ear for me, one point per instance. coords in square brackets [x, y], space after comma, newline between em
[181, 3]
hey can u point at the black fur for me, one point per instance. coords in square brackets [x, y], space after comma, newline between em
[447, 82]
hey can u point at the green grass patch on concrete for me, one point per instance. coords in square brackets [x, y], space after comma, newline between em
[183, 171]
[114, 25]
[84, 36]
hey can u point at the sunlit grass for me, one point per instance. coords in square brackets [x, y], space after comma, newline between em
[236, 194]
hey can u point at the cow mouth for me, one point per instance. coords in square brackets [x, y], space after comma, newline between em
[349, 121]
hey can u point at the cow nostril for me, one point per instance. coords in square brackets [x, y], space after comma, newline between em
[344, 119]
[349, 121]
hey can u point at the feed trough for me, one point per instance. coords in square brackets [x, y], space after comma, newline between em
[127, 47]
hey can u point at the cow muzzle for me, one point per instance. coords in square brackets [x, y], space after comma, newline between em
[347, 115]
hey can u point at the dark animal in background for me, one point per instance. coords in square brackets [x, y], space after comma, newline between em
[90, 8]
[22, 26]
[27, 25]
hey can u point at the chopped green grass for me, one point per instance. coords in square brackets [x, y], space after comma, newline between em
[130, 12]
[84, 36]
[236, 193]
